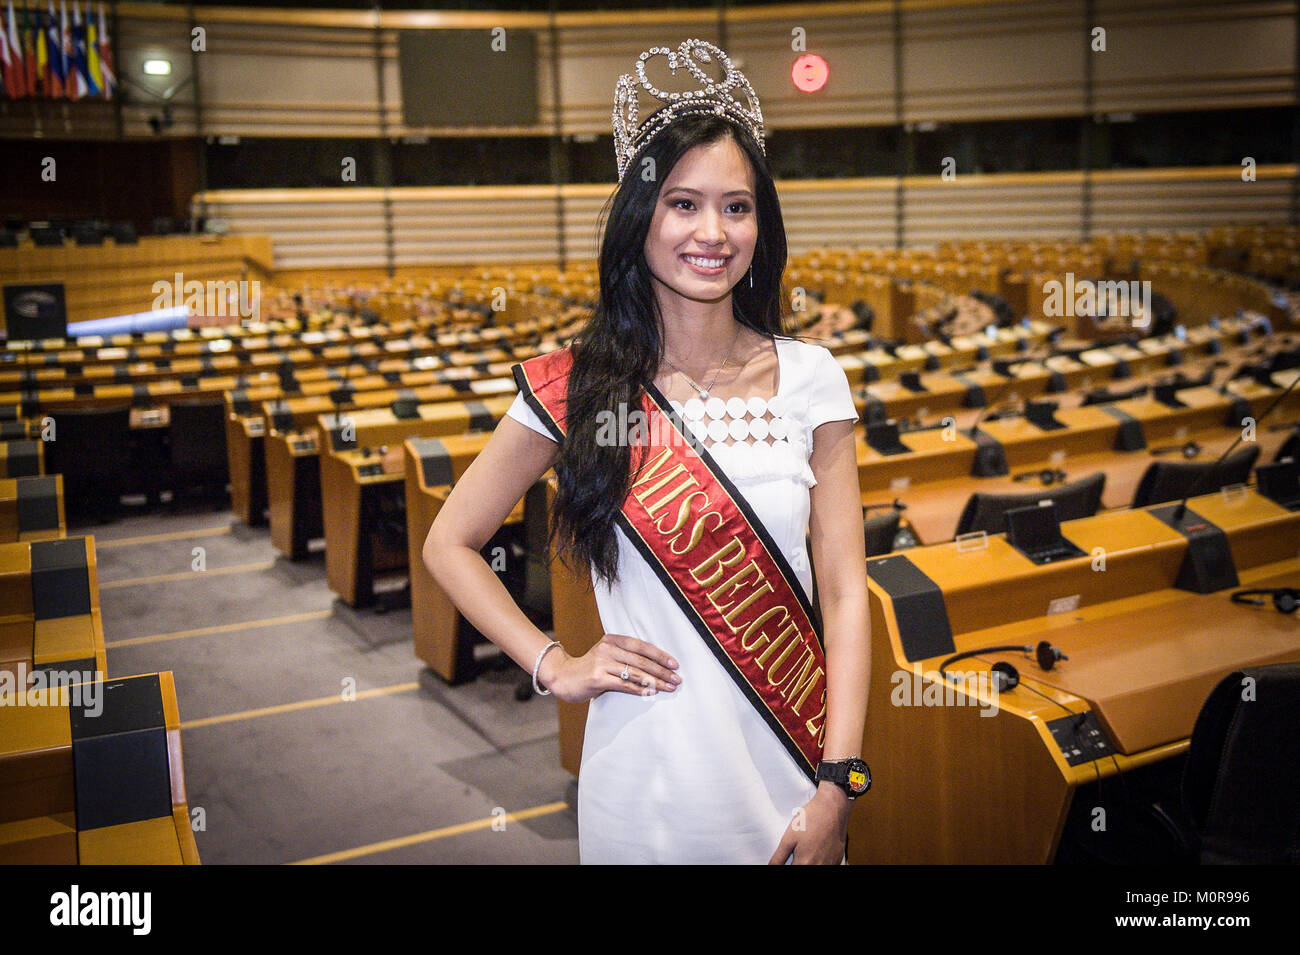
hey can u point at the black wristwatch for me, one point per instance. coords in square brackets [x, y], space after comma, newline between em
[851, 775]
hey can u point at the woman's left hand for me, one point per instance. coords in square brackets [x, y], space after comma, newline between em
[817, 834]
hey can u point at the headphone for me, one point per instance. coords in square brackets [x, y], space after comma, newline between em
[1189, 450]
[1047, 476]
[1004, 675]
[1285, 599]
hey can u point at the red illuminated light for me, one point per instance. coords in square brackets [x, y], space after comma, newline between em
[809, 73]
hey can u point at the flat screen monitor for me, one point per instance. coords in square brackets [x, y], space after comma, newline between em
[468, 78]
[33, 312]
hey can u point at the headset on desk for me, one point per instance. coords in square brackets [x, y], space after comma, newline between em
[1047, 476]
[1006, 677]
[1285, 599]
[1188, 450]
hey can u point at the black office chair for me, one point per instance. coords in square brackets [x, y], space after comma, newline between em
[92, 450]
[198, 448]
[124, 233]
[46, 236]
[1166, 481]
[880, 530]
[1238, 799]
[987, 512]
[1290, 447]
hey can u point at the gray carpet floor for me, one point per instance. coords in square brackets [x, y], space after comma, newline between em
[409, 771]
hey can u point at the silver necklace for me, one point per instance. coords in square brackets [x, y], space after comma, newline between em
[704, 392]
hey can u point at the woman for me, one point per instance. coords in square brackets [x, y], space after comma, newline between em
[682, 760]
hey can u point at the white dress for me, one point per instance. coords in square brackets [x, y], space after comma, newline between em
[695, 775]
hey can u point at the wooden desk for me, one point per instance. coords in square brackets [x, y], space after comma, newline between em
[934, 480]
[31, 508]
[21, 458]
[444, 639]
[962, 774]
[101, 789]
[934, 507]
[357, 485]
[293, 490]
[49, 606]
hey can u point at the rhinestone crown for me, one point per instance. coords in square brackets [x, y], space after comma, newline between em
[719, 97]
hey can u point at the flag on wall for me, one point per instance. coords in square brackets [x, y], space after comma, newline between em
[106, 57]
[29, 53]
[6, 59]
[54, 46]
[87, 82]
[15, 69]
[42, 53]
[72, 78]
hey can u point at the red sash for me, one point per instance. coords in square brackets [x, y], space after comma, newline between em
[702, 539]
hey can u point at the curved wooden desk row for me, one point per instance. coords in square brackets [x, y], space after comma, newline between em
[31, 509]
[931, 396]
[233, 340]
[964, 774]
[186, 343]
[259, 338]
[35, 390]
[151, 362]
[863, 363]
[91, 773]
[296, 465]
[947, 454]
[246, 433]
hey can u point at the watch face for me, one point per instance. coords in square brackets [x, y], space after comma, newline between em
[859, 777]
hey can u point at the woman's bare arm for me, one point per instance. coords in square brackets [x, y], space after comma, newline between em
[839, 556]
[512, 461]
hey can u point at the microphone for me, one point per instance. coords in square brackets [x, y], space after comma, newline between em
[1181, 510]
[987, 413]
[896, 504]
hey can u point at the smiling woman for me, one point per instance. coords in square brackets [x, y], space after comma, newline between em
[719, 728]
[704, 229]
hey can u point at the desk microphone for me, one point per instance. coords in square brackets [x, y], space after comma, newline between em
[1180, 511]
[988, 412]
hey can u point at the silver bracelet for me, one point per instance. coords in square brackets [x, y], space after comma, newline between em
[538, 665]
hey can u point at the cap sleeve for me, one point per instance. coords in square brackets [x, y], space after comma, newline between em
[830, 398]
[526, 416]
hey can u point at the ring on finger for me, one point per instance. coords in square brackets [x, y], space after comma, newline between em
[624, 674]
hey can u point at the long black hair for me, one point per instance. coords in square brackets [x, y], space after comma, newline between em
[619, 350]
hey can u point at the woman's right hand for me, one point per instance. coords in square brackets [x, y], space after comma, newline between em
[600, 669]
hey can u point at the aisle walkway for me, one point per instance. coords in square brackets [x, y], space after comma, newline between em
[284, 766]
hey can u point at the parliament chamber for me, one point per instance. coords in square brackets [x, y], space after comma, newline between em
[211, 525]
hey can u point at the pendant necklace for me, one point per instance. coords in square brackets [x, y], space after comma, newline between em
[704, 392]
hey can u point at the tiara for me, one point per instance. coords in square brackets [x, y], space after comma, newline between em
[720, 98]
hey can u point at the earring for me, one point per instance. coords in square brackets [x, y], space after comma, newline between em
[751, 276]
